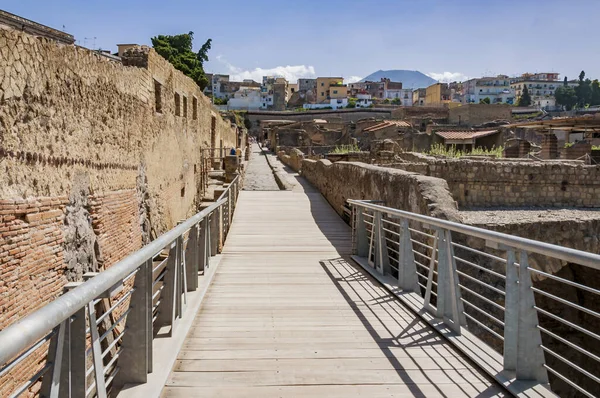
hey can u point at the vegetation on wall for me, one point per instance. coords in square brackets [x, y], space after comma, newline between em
[453, 152]
[341, 149]
[178, 51]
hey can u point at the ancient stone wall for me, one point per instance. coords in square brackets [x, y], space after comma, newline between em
[97, 158]
[396, 188]
[476, 183]
[473, 114]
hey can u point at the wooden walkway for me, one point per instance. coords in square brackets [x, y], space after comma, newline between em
[288, 315]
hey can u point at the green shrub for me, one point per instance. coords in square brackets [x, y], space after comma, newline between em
[341, 149]
[453, 152]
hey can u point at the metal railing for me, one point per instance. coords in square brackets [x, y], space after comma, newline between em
[527, 312]
[98, 335]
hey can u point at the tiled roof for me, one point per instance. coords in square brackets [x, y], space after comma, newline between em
[464, 135]
[387, 123]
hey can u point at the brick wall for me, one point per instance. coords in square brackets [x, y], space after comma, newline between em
[31, 268]
[475, 183]
[115, 219]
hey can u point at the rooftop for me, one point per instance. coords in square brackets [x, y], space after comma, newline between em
[386, 124]
[464, 135]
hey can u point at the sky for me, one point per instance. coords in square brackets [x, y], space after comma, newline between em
[445, 39]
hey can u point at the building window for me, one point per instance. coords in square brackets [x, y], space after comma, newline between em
[322, 84]
[195, 108]
[335, 91]
[177, 105]
[184, 106]
[322, 94]
[158, 96]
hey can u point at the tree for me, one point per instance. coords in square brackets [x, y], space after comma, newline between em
[595, 100]
[486, 100]
[566, 97]
[178, 51]
[525, 98]
[396, 101]
[583, 90]
[565, 82]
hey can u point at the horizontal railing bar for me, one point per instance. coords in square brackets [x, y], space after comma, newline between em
[114, 325]
[391, 232]
[32, 380]
[571, 364]
[566, 302]
[159, 277]
[425, 287]
[563, 253]
[483, 326]
[569, 382]
[393, 241]
[31, 328]
[112, 361]
[115, 341]
[160, 264]
[502, 260]
[422, 244]
[489, 271]
[570, 324]
[565, 281]
[493, 318]
[487, 300]
[25, 354]
[130, 275]
[567, 342]
[481, 283]
[422, 233]
[158, 292]
[112, 376]
[391, 222]
[115, 305]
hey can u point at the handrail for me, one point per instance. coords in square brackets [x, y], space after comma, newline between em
[25, 332]
[500, 315]
[563, 253]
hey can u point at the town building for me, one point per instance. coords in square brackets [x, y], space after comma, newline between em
[331, 88]
[497, 90]
[363, 100]
[246, 98]
[215, 82]
[305, 85]
[356, 88]
[437, 94]
[418, 97]
[541, 87]
[12, 21]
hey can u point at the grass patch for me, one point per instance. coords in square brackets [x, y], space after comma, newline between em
[341, 149]
[453, 152]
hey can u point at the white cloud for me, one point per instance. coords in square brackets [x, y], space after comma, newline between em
[291, 72]
[352, 79]
[447, 77]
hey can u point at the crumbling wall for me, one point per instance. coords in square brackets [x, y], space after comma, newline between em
[75, 130]
[482, 183]
[396, 188]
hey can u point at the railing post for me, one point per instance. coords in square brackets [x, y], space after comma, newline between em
[382, 261]
[511, 312]
[360, 231]
[530, 356]
[96, 352]
[73, 379]
[449, 305]
[203, 245]
[220, 235]
[181, 282]
[407, 268]
[192, 259]
[133, 360]
[214, 232]
[51, 382]
[166, 311]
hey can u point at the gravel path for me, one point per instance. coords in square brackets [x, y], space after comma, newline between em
[259, 176]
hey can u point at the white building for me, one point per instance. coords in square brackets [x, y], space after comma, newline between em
[334, 103]
[363, 100]
[216, 85]
[405, 95]
[246, 98]
[541, 87]
[497, 89]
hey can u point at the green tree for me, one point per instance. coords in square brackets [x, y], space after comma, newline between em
[178, 51]
[583, 90]
[525, 98]
[486, 100]
[396, 101]
[565, 82]
[595, 93]
[566, 97]
[351, 103]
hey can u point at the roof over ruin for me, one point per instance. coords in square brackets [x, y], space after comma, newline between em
[465, 137]
[386, 124]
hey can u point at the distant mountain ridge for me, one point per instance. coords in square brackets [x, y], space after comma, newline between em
[410, 78]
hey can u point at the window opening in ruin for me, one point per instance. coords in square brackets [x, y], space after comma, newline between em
[177, 105]
[195, 169]
[182, 192]
[158, 96]
[184, 106]
[195, 108]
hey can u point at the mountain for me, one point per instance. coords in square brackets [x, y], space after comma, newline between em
[410, 78]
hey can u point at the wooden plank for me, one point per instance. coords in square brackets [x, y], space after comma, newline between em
[289, 315]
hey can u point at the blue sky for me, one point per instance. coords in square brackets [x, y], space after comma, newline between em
[351, 38]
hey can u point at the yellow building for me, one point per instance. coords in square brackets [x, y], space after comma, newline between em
[437, 94]
[329, 88]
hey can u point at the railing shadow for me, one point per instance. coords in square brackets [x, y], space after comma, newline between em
[346, 276]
